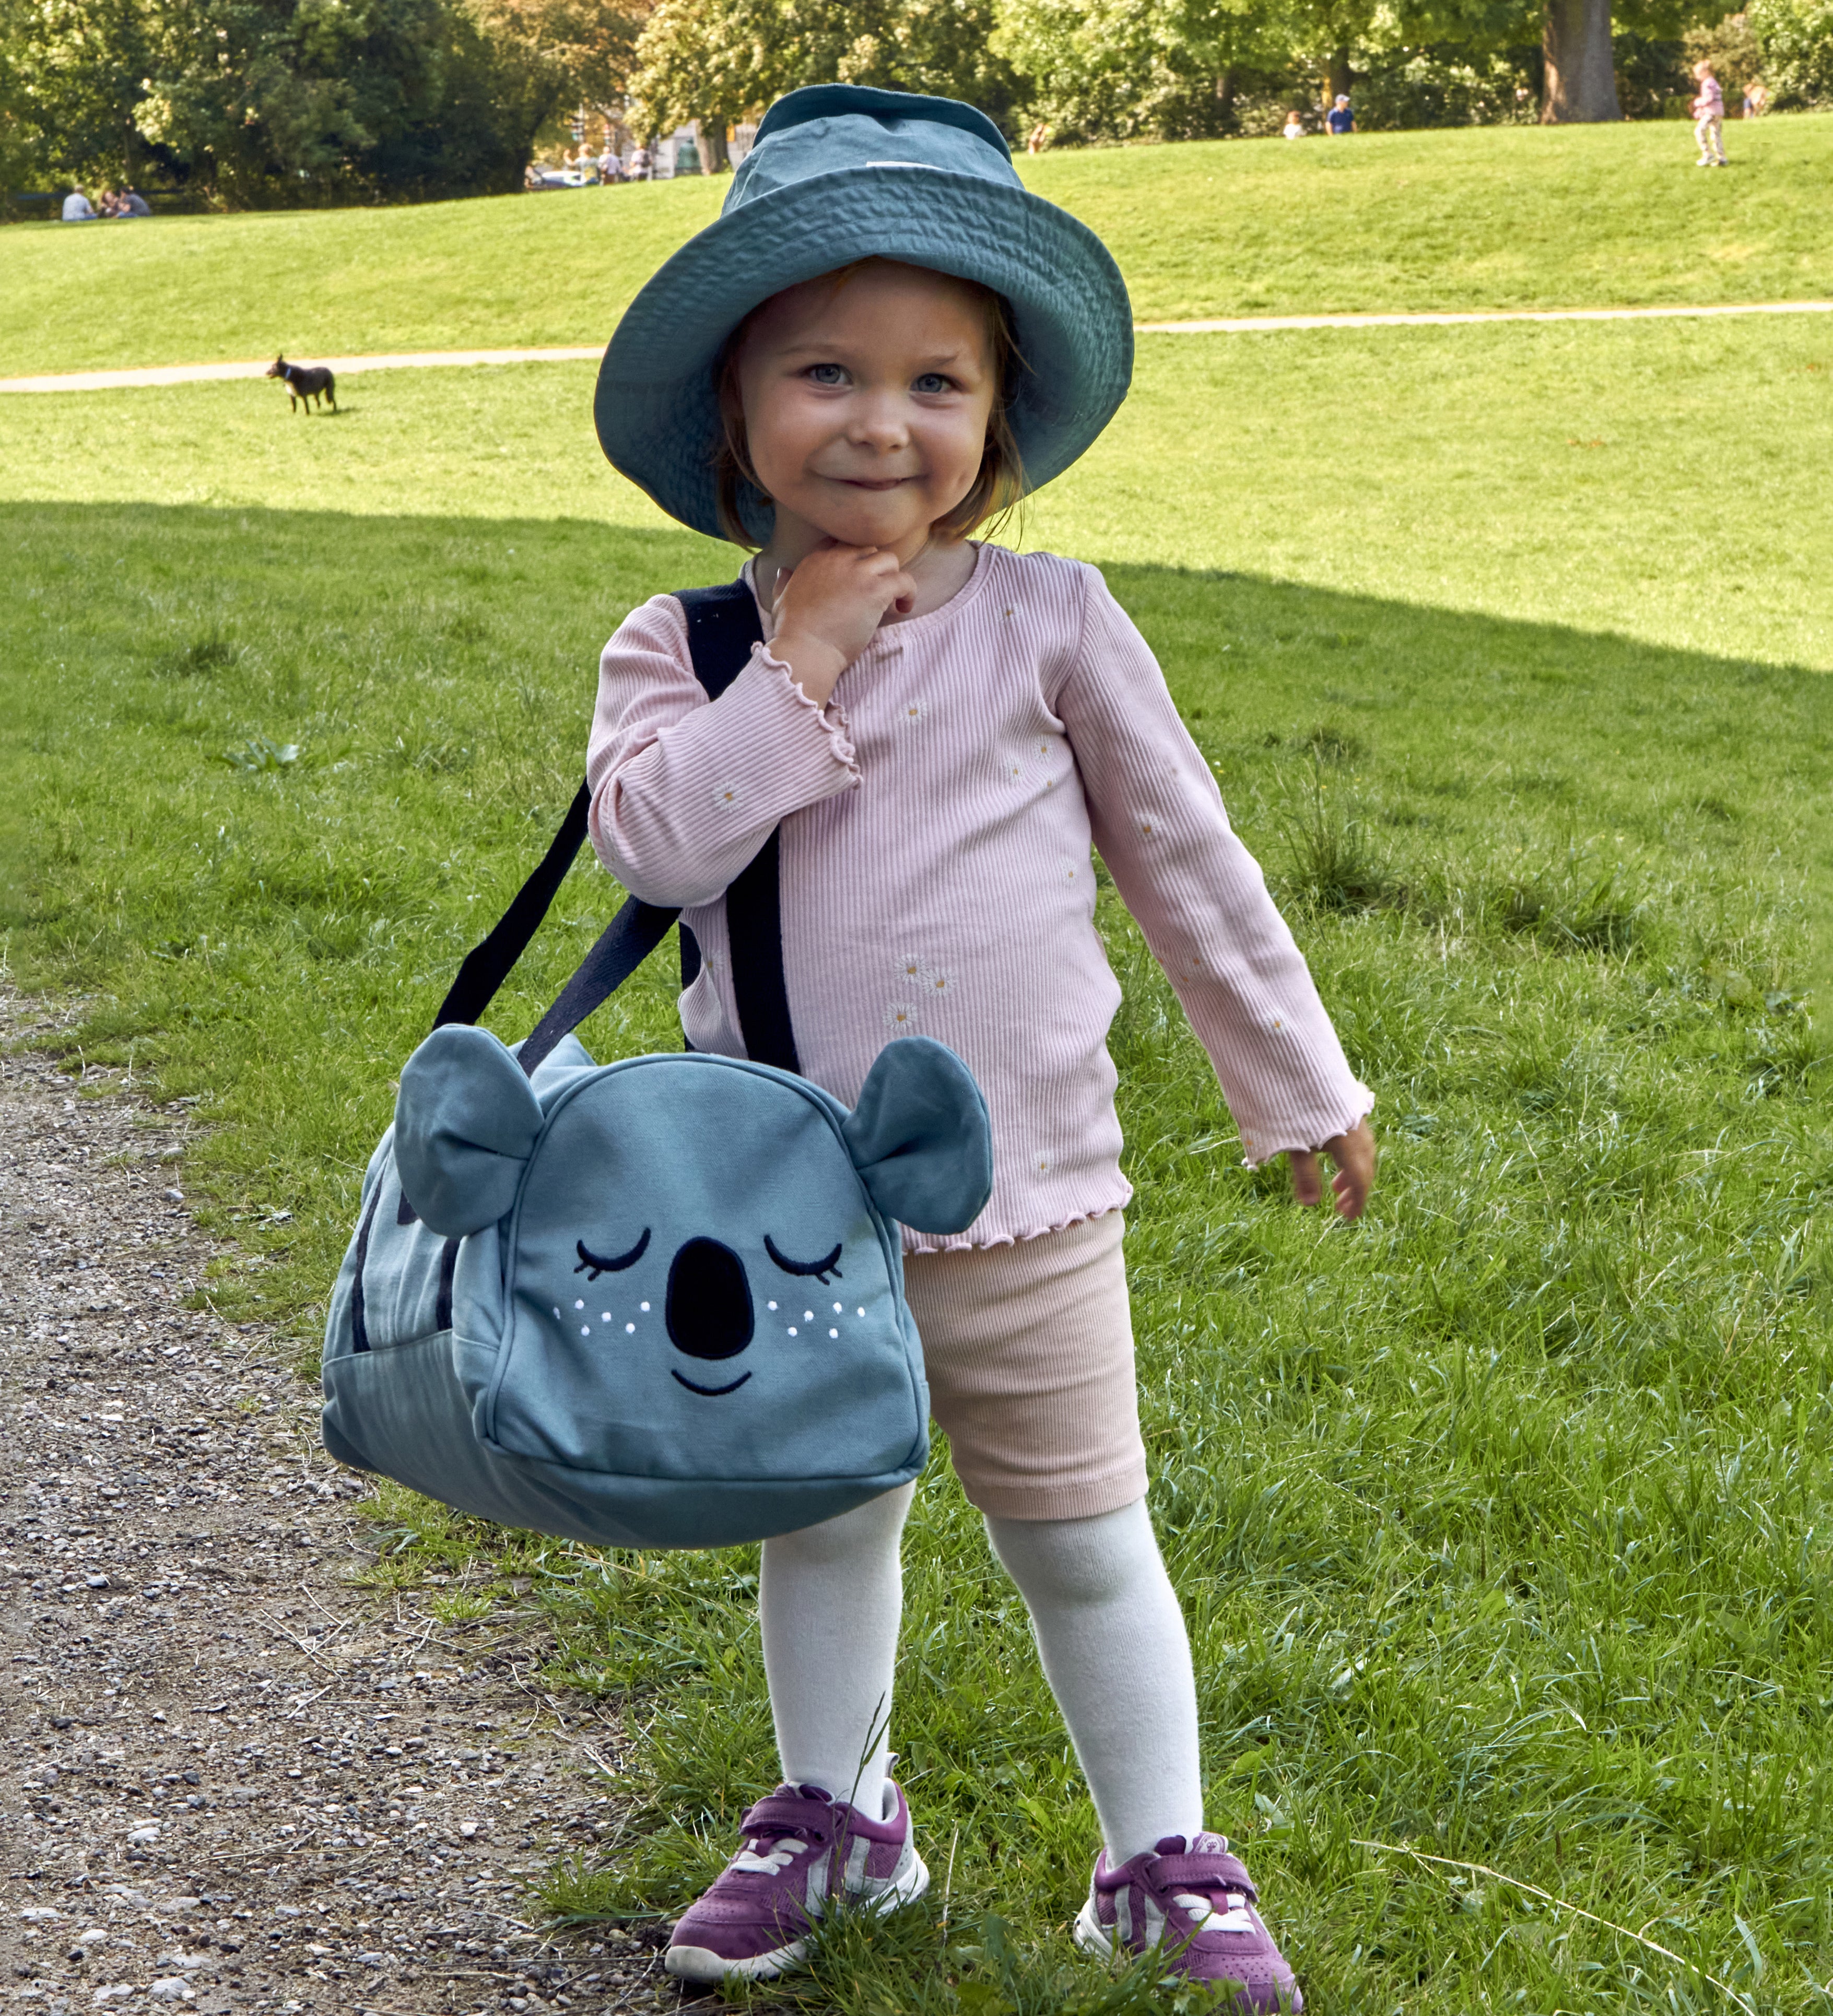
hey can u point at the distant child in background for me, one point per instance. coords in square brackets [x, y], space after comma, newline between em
[1756, 98]
[1708, 118]
[882, 342]
[1340, 119]
[1294, 126]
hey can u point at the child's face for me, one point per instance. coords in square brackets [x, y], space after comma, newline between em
[866, 402]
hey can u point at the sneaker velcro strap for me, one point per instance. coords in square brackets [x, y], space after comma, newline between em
[1203, 1872]
[787, 1813]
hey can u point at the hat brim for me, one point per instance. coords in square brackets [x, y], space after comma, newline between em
[656, 407]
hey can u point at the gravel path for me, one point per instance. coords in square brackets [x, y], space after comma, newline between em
[231, 1779]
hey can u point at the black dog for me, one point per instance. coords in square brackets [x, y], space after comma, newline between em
[304, 381]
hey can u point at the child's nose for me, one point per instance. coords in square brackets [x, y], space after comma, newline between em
[880, 422]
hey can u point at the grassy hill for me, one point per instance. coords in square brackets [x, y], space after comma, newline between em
[1500, 1518]
[1503, 217]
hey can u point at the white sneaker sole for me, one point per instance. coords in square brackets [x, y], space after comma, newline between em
[1090, 1935]
[702, 1964]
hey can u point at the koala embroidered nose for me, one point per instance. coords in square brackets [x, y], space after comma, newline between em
[708, 1310]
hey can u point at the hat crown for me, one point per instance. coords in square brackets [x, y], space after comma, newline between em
[826, 128]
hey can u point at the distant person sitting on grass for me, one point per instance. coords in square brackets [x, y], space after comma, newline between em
[852, 431]
[1340, 119]
[1756, 98]
[130, 203]
[1708, 118]
[77, 209]
[1294, 126]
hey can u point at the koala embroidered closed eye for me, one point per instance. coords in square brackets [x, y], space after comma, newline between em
[828, 1264]
[597, 1265]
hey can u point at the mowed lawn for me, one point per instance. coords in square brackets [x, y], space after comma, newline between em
[1500, 1519]
[1513, 216]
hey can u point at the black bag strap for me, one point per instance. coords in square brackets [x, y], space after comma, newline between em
[722, 625]
[487, 966]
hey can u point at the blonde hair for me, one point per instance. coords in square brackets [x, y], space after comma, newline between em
[996, 489]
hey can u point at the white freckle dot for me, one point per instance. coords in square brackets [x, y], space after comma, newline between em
[630, 1329]
[792, 1330]
[644, 1307]
[578, 1305]
[837, 1309]
[557, 1309]
[834, 1332]
[808, 1316]
[768, 1305]
[604, 1315]
[861, 1311]
[585, 1329]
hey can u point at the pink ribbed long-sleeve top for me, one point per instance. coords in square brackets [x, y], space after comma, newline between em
[937, 818]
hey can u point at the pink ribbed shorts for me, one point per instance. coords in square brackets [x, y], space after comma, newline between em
[1030, 1355]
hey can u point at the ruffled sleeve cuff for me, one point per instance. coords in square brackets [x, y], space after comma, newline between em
[829, 721]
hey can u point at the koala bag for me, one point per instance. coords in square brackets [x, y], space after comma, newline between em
[653, 1303]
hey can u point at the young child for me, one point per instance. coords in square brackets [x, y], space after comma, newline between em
[1294, 128]
[1708, 117]
[882, 343]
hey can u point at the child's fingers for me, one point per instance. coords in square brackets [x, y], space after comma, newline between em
[1307, 1186]
[1354, 1154]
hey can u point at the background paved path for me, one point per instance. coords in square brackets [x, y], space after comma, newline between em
[188, 374]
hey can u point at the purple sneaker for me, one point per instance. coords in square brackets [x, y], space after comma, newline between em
[1197, 1905]
[804, 1851]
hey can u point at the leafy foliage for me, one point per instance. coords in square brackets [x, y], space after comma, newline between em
[266, 103]
[722, 61]
[1794, 43]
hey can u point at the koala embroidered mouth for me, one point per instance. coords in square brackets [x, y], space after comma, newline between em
[712, 1392]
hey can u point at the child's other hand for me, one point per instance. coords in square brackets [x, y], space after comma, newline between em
[829, 609]
[1354, 1154]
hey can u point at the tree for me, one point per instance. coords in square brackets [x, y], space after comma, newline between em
[1794, 44]
[1123, 69]
[589, 46]
[1581, 77]
[721, 61]
[260, 103]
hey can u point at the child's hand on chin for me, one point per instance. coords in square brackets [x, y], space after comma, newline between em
[829, 608]
[1354, 1154]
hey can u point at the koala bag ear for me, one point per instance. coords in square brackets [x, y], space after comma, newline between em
[465, 1122]
[920, 1139]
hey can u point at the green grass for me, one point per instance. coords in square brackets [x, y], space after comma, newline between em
[1501, 1519]
[1496, 217]
[1497, 1520]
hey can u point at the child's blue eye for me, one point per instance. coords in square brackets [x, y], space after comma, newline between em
[827, 374]
[933, 381]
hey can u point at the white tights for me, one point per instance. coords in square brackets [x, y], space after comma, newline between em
[1109, 1632]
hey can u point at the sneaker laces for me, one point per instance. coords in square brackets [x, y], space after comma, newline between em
[755, 1859]
[1205, 1916]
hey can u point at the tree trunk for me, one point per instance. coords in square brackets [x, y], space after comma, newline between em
[1342, 77]
[709, 137]
[1581, 82]
[1225, 101]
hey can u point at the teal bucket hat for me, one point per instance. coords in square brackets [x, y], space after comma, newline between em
[840, 172]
